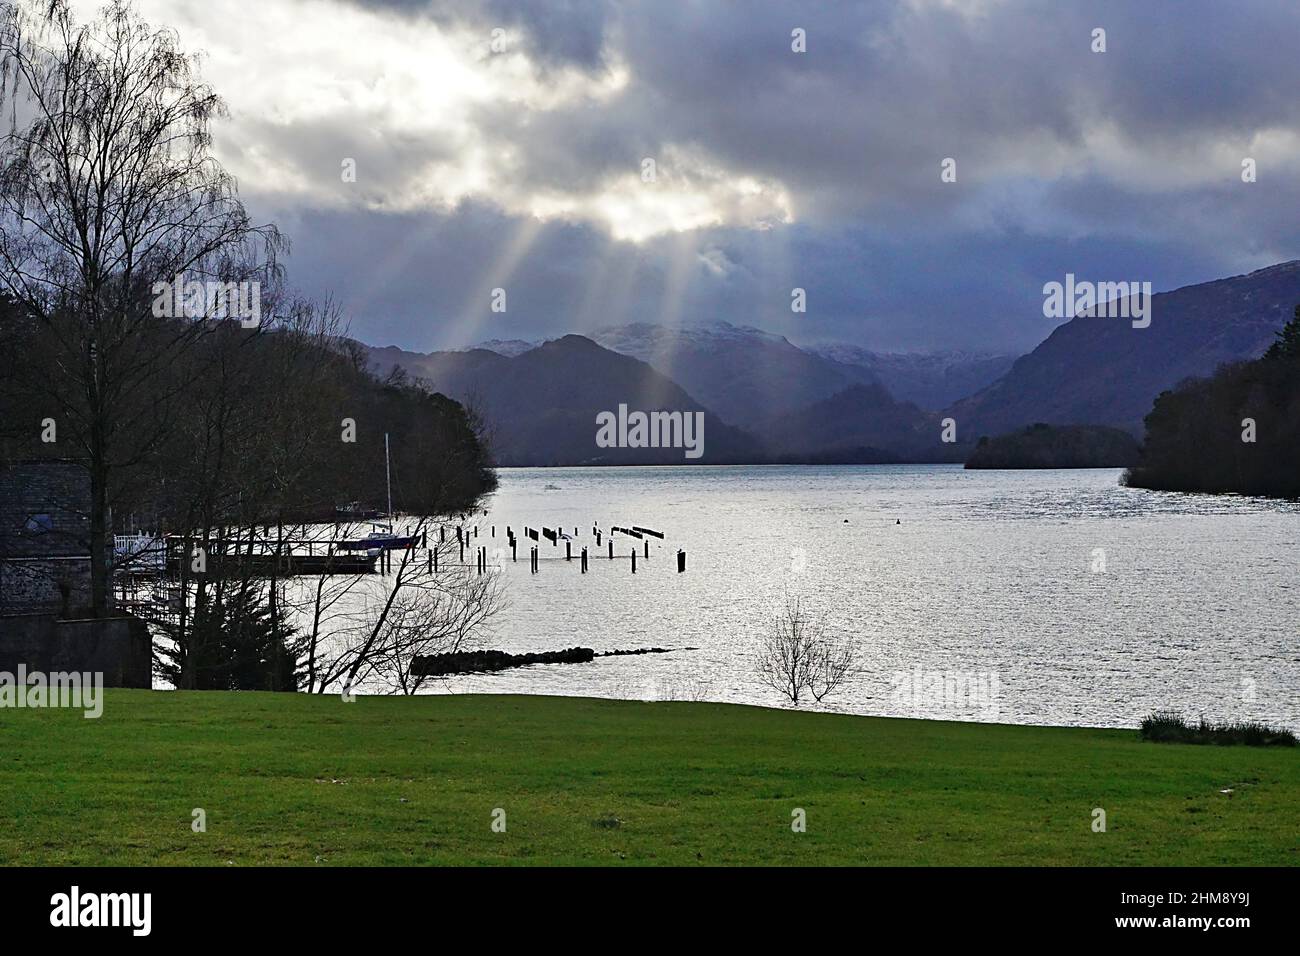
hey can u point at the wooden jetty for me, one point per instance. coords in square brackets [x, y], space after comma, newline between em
[282, 565]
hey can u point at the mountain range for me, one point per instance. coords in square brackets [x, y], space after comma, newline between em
[765, 398]
[539, 406]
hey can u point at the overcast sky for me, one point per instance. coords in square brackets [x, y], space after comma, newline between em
[522, 168]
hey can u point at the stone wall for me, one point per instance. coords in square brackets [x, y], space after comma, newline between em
[117, 647]
[59, 585]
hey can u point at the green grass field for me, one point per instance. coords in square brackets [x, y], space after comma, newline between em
[291, 779]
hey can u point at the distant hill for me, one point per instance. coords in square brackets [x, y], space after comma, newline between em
[930, 380]
[458, 375]
[1102, 371]
[540, 406]
[1057, 446]
[860, 425]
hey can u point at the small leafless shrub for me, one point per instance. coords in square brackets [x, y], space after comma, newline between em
[798, 659]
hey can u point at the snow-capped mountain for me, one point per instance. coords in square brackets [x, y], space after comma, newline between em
[746, 375]
[750, 376]
[507, 347]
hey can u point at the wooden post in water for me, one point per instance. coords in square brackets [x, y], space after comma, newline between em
[568, 550]
[634, 560]
[514, 550]
[434, 552]
[442, 533]
[611, 549]
[681, 560]
[584, 560]
[462, 550]
[647, 548]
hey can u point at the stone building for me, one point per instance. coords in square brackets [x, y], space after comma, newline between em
[44, 538]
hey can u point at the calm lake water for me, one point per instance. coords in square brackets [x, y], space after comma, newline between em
[1040, 597]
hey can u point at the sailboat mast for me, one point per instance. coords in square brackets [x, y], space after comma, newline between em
[388, 475]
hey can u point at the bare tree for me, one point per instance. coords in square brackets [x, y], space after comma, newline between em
[324, 609]
[797, 659]
[440, 615]
[414, 611]
[108, 188]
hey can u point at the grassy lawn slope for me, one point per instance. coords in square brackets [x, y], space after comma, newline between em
[291, 779]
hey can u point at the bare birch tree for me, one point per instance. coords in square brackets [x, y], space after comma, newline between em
[108, 187]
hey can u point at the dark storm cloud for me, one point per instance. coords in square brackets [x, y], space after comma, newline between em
[887, 90]
[568, 31]
[1122, 165]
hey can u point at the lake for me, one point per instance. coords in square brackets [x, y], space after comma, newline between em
[1040, 597]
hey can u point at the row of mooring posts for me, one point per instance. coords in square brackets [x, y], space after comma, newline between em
[636, 531]
[463, 536]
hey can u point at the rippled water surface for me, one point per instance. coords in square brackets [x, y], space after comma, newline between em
[977, 575]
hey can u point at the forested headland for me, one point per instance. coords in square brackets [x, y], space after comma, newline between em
[1057, 446]
[1236, 431]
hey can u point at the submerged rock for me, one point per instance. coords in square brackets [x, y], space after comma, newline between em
[469, 662]
[474, 662]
